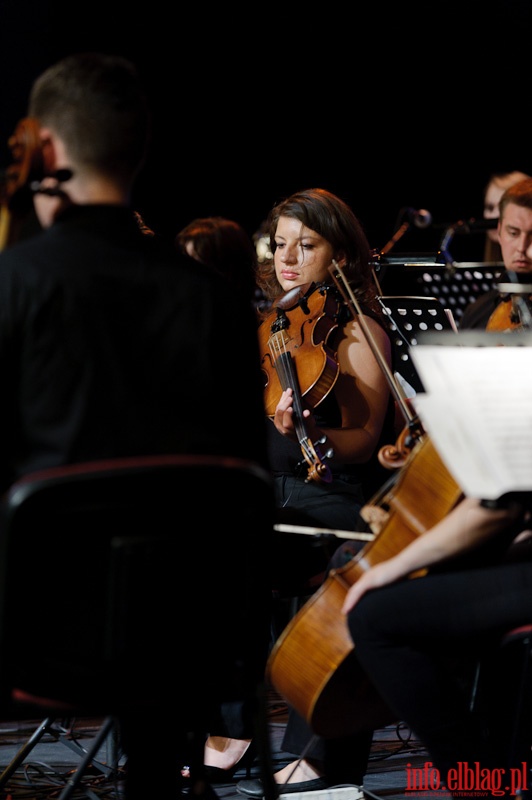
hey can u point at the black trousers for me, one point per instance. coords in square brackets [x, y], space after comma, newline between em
[418, 639]
[344, 759]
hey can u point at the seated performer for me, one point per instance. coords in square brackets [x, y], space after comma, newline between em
[493, 310]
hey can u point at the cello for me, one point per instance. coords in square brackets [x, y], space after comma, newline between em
[313, 664]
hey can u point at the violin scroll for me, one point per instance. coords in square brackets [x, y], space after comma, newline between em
[15, 193]
[27, 163]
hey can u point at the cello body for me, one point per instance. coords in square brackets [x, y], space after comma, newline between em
[313, 663]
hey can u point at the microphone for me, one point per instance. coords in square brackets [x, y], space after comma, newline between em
[420, 218]
[476, 225]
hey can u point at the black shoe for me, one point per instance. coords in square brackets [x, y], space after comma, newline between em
[254, 787]
[219, 775]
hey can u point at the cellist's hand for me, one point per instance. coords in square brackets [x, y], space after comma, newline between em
[375, 577]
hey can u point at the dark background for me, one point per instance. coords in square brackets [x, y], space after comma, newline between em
[387, 106]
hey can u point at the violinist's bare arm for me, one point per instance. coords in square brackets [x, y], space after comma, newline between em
[362, 392]
[465, 527]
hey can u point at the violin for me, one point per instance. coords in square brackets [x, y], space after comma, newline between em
[15, 193]
[295, 354]
[513, 313]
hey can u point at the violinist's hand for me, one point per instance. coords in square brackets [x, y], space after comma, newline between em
[284, 415]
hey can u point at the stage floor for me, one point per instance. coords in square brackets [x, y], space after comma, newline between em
[53, 763]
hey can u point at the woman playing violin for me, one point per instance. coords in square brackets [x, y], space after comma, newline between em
[308, 232]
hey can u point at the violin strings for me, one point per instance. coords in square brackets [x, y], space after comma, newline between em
[284, 365]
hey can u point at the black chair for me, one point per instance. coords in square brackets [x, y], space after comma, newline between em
[502, 698]
[123, 583]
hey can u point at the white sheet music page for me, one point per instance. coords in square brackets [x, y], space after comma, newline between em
[477, 409]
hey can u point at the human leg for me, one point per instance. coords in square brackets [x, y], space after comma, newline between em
[341, 760]
[415, 655]
[321, 762]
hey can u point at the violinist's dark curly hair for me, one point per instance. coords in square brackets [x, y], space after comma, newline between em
[328, 215]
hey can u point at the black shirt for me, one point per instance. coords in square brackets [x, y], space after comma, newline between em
[112, 344]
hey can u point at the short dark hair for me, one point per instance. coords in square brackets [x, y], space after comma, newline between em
[519, 193]
[97, 104]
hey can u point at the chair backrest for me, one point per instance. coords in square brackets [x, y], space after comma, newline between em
[121, 581]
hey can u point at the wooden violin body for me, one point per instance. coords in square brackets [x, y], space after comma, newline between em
[295, 355]
[300, 325]
[507, 316]
[313, 664]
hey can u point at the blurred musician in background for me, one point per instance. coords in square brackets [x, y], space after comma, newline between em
[224, 246]
[493, 191]
[495, 310]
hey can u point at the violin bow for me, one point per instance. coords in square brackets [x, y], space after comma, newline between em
[347, 293]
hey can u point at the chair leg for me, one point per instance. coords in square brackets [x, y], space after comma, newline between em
[25, 750]
[271, 788]
[107, 728]
[47, 726]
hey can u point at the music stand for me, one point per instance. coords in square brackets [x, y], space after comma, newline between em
[455, 286]
[409, 317]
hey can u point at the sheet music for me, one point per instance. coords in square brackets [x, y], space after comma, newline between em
[477, 409]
